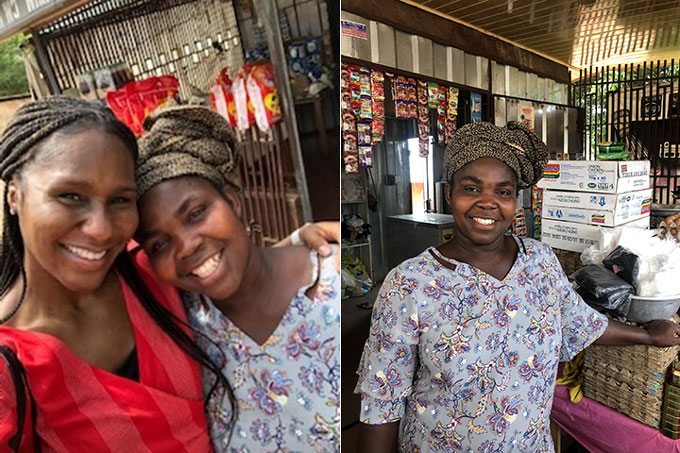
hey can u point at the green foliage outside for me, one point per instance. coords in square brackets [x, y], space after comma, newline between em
[12, 74]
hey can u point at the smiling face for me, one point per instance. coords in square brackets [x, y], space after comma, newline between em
[194, 237]
[76, 208]
[483, 199]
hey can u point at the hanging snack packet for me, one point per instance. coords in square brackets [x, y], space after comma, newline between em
[222, 99]
[423, 119]
[263, 95]
[364, 134]
[344, 76]
[365, 111]
[365, 157]
[351, 163]
[432, 95]
[411, 88]
[136, 100]
[244, 109]
[378, 105]
[378, 131]
[401, 109]
[350, 143]
[441, 116]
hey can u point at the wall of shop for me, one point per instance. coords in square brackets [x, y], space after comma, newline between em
[511, 87]
[393, 48]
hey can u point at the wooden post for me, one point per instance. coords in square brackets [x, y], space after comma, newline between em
[44, 63]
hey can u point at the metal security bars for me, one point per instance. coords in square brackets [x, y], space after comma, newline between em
[638, 105]
[266, 179]
[190, 39]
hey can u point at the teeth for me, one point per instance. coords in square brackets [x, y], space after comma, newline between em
[483, 221]
[208, 266]
[84, 253]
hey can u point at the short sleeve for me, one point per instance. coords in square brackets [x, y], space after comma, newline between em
[581, 324]
[389, 358]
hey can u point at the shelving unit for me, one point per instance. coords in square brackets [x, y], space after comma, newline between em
[354, 200]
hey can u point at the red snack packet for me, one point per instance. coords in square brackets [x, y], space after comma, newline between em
[263, 95]
[136, 100]
[222, 99]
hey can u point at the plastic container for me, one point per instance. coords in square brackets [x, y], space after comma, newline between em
[645, 309]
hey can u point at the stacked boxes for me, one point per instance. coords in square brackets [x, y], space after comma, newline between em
[582, 196]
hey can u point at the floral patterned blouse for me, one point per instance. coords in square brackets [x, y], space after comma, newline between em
[288, 389]
[468, 362]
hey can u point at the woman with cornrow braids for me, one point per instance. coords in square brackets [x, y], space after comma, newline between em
[95, 352]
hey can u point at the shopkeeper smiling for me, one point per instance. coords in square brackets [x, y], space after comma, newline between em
[465, 338]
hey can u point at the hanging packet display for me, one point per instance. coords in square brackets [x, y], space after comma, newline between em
[222, 98]
[349, 123]
[364, 134]
[451, 112]
[423, 120]
[365, 157]
[263, 95]
[136, 100]
[432, 95]
[441, 116]
[244, 110]
[378, 100]
[476, 107]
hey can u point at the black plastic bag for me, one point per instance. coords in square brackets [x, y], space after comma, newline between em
[601, 288]
[623, 263]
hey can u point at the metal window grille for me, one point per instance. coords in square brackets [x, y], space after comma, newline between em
[177, 37]
[638, 105]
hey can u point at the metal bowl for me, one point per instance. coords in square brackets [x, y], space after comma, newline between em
[644, 309]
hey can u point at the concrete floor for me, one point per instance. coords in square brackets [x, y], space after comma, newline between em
[355, 325]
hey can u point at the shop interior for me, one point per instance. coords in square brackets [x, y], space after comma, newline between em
[393, 205]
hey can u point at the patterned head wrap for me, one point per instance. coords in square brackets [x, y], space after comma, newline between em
[186, 141]
[515, 145]
[37, 120]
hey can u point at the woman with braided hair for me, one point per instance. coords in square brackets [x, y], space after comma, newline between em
[466, 337]
[272, 313]
[96, 354]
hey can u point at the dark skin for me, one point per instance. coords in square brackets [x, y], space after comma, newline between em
[483, 199]
[78, 200]
[187, 222]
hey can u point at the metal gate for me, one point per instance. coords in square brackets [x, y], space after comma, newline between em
[638, 105]
[192, 40]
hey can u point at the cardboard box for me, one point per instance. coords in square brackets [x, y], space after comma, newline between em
[576, 237]
[596, 208]
[596, 176]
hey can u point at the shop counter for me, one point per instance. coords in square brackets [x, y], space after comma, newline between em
[409, 234]
[603, 430]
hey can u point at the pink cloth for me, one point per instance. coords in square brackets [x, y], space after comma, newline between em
[603, 430]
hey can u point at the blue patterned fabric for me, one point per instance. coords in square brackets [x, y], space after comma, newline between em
[467, 362]
[288, 389]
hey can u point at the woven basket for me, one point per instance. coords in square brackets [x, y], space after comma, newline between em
[628, 379]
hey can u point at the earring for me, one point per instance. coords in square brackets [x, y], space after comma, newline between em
[12, 211]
